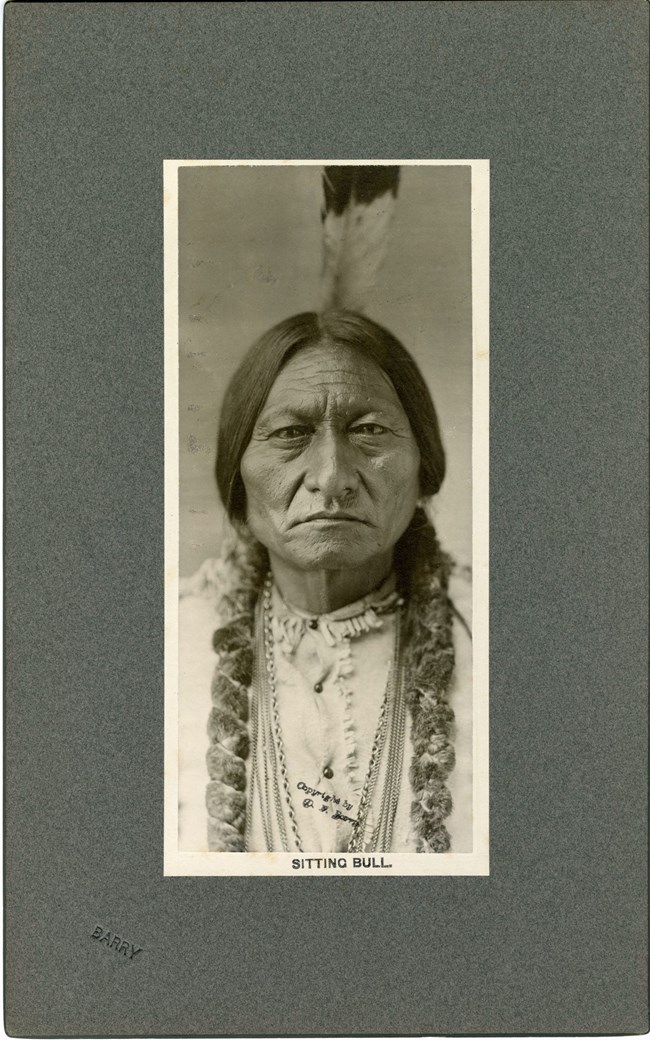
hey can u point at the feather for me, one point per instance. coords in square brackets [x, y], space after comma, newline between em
[357, 209]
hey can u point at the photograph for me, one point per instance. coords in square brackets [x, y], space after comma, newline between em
[326, 517]
[326, 483]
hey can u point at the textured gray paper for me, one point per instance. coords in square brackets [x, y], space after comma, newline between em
[554, 940]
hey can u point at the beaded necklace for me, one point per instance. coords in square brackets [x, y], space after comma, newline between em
[269, 757]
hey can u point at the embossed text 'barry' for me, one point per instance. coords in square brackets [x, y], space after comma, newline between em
[114, 942]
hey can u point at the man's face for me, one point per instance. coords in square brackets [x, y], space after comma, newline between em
[331, 471]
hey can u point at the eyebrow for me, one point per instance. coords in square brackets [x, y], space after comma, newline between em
[294, 413]
[283, 412]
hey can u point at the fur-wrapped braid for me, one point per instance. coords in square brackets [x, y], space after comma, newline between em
[423, 577]
[423, 571]
[242, 573]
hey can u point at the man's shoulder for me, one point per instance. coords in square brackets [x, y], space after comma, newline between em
[460, 594]
[206, 584]
[198, 612]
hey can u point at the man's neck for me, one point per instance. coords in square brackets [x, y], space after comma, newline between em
[322, 591]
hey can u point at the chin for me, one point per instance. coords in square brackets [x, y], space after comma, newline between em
[333, 552]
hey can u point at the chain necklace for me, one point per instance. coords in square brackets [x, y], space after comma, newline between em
[268, 748]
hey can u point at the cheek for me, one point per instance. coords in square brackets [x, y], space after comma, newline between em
[264, 482]
[400, 479]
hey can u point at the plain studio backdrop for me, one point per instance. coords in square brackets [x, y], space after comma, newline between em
[250, 249]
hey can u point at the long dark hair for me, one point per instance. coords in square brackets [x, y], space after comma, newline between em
[252, 382]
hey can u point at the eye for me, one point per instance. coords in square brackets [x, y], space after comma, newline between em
[370, 429]
[290, 433]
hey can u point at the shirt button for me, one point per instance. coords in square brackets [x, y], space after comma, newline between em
[313, 623]
[318, 687]
[327, 773]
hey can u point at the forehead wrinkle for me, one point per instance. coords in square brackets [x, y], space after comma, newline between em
[336, 361]
[332, 401]
[340, 389]
[326, 380]
[328, 389]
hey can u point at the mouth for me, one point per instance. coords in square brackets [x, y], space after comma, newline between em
[329, 518]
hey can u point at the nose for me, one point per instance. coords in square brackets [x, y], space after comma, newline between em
[331, 468]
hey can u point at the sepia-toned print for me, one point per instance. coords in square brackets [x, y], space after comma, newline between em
[326, 518]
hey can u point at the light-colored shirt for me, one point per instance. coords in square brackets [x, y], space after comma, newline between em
[331, 730]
